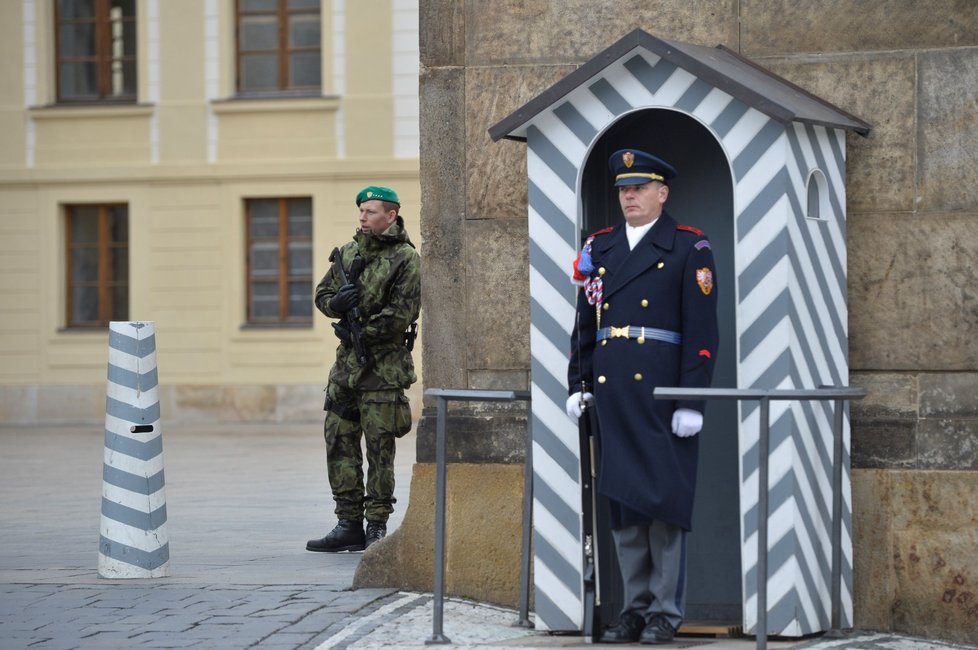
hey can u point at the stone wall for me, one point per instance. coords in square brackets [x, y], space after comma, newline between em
[911, 70]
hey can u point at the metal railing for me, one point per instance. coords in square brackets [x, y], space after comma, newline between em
[764, 396]
[443, 396]
[840, 394]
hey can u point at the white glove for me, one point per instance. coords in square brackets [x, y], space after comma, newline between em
[686, 422]
[573, 405]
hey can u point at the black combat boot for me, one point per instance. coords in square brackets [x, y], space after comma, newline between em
[347, 536]
[375, 532]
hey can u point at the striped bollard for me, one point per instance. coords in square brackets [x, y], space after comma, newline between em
[133, 540]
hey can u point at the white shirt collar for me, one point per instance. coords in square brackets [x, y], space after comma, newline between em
[636, 233]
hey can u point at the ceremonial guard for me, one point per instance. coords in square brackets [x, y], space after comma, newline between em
[646, 317]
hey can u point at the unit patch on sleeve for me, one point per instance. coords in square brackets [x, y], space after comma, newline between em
[704, 278]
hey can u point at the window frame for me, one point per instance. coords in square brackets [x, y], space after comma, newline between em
[283, 53]
[817, 206]
[103, 58]
[106, 282]
[283, 278]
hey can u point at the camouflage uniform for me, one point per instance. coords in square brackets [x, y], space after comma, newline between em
[370, 400]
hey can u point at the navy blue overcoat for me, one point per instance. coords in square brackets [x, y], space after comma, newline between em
[667, 282]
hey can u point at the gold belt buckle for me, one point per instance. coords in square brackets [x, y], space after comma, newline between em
[619, 332]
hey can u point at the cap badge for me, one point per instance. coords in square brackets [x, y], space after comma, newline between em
[704, 278]
[628, 158]
[369, 194]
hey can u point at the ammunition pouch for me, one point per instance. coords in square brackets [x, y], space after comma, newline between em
[387, 411]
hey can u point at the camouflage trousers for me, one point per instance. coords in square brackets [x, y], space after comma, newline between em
[377, 417]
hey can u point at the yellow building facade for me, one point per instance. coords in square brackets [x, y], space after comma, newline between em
[161, 111]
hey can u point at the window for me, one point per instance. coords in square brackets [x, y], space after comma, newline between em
[96, 50]
[817, 206]
[278, 46]
[279, 261]
[97, 263]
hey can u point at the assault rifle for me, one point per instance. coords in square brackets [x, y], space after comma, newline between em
[351, 319]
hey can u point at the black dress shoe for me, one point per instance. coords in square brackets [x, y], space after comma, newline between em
[375, 533]
[346, 536]
[659, 630]
[628, 630]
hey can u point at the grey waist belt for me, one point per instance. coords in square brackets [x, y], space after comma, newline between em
[640, 333]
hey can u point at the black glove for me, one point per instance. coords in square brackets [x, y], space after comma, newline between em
[345, 299]
[343, 335]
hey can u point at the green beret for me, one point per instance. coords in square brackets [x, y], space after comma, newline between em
[379, 193]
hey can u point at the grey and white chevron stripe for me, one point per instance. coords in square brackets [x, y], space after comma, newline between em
[791, 315]
[133, 542]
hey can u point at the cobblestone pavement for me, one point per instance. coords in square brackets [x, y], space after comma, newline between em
[405, 621]
[173, 616]
[54, 616]
[241, 501]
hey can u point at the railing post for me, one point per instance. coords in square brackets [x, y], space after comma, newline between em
[440, 471]
[524, 619]
[763, 449]
[837, 430]
[443, 396]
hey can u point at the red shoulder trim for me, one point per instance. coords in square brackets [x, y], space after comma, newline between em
[603, 231]
[695, 231]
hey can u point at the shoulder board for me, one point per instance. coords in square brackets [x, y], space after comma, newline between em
[603, 231]
[695, 231]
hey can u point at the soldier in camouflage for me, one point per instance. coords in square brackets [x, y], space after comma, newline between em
[367, 399]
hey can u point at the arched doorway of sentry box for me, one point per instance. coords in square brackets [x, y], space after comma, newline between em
[700, 196]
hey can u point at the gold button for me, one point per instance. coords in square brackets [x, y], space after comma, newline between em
[640, 340]
[601, 271]
[645, 303]
[606, 306]
[660, 265]
[604, 342]
[638, 376]
[602, 379]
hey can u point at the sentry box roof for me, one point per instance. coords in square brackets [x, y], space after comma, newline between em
[718, 66]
